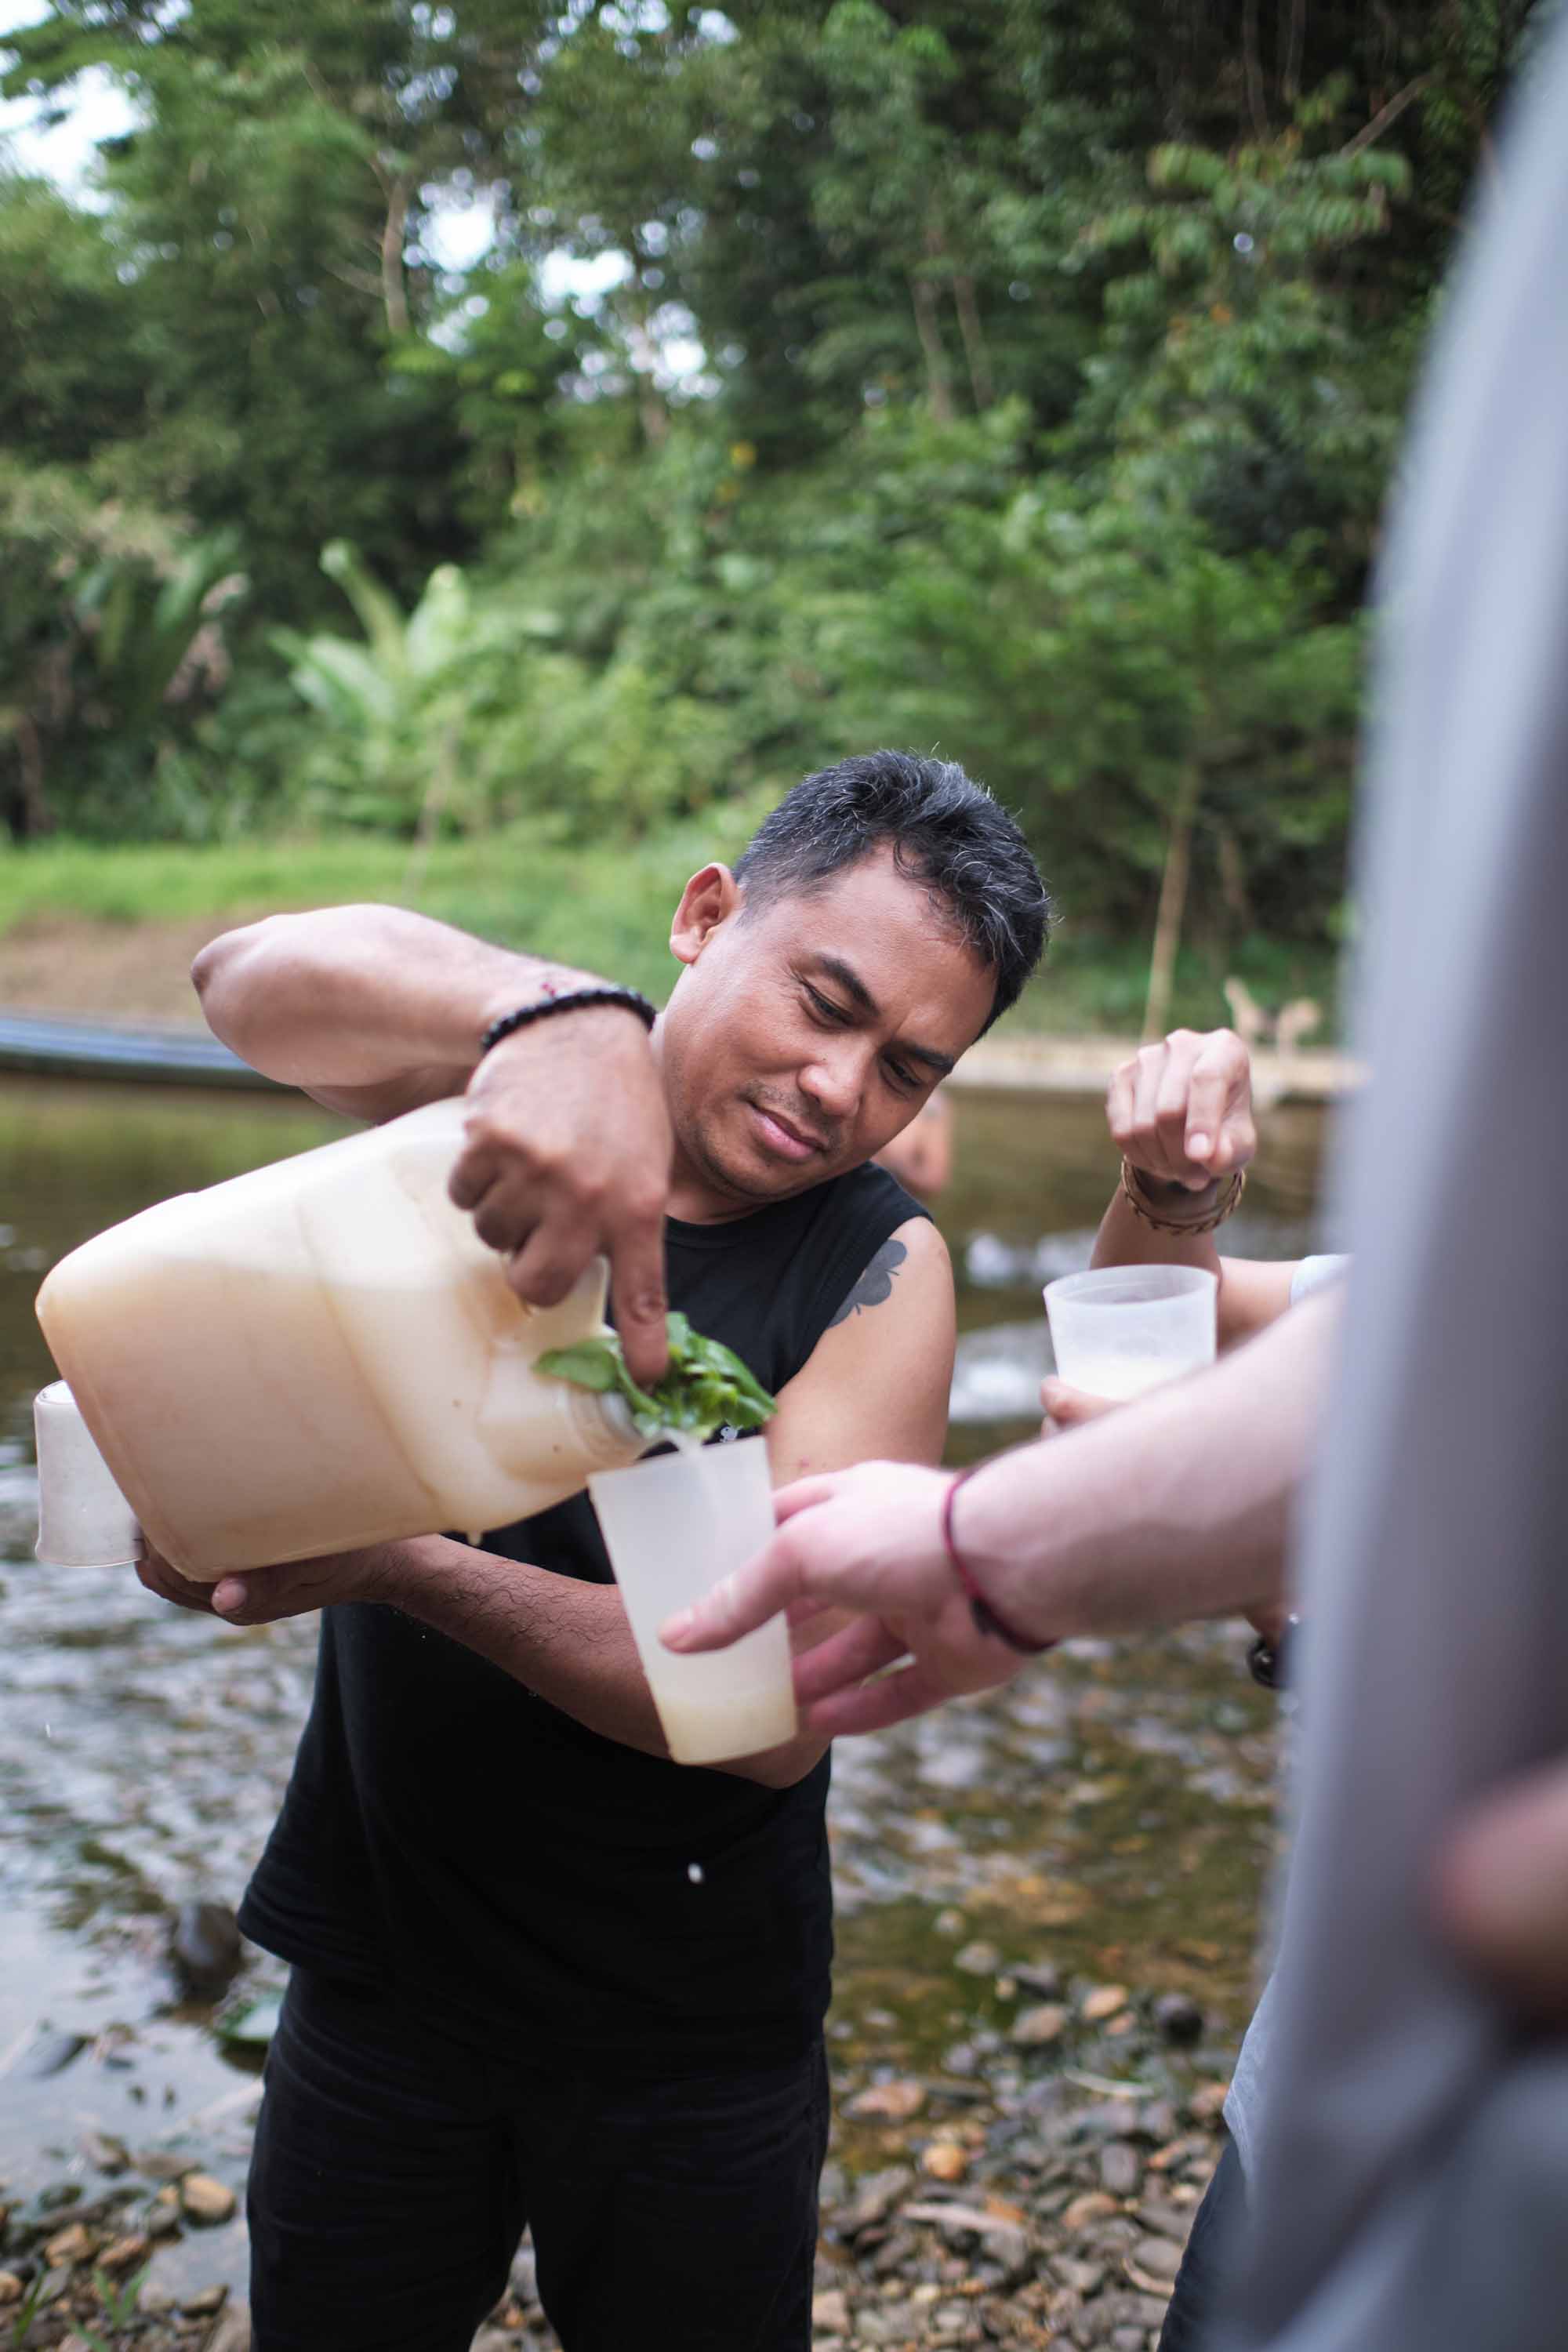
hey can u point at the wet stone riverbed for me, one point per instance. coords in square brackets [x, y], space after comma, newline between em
[1047, 1898]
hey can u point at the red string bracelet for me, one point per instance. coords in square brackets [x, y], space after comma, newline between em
[985, 1618]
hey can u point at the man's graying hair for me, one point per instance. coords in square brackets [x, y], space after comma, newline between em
[945, 830]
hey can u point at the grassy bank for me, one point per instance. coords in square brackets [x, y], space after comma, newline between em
[606, 909]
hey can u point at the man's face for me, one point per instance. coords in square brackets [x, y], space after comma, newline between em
[805, 1033]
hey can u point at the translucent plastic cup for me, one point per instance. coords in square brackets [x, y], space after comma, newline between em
[84, 1520]
[674, 1526]
[1123, 1329]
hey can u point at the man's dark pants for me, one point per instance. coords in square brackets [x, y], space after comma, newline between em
[1211, 2243]
[394, 2171]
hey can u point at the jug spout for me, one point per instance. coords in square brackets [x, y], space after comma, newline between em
[549, 1432]
[84, 1520]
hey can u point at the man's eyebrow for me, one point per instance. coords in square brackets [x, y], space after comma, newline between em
[835, 967]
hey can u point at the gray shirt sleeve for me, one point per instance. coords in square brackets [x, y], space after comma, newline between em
[1410, 2150]
[1241, 2104]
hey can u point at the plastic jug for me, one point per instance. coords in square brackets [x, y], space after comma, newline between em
[324, 1354]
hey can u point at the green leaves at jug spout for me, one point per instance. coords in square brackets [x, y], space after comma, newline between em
[705, 1387]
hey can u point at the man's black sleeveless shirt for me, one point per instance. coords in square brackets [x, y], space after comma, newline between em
[452, 1838]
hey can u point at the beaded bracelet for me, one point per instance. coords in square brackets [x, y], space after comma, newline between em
[572, 1001]
[986, 1620]
[1132, 1193]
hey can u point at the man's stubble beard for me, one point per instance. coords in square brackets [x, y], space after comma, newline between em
[716, 1172]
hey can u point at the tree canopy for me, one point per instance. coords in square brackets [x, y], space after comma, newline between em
[1025, 379]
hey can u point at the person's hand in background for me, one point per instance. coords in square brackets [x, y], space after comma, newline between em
[1502, 1891]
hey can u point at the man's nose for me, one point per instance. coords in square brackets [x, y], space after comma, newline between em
[835, 1079]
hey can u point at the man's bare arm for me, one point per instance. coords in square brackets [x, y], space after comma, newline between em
[371, 1009]
[566, 1640]
[374, 1010]
[878, 1380]
[1180, 1113]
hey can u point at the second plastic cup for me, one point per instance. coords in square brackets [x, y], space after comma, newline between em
[84, 1520]
[1123, 1330]
[674, 1526]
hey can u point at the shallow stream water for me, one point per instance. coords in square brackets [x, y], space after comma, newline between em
[1110, 1812]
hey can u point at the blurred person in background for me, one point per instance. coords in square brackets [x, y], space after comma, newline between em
[920, 1156]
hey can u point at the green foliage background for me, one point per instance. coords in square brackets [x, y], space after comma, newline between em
[1049, 364]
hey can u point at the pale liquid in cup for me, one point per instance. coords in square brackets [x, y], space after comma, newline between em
[1119, 1332]
[666, 1546]
[741, 1720]
[1120, 1378]
[710, 1730]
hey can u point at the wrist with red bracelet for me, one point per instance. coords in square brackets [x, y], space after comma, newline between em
[987, 1620]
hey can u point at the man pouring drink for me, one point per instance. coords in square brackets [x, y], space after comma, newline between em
[541, 1975]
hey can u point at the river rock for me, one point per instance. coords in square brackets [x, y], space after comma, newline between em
[1120, 2169]
[210, 2300]
[1010, 2250]
[1158, 2120]
[1094, 2205]
[70, 2245]
[1127, 2310]
[874, 2200]
[161, 2217]
[892, 2103]
[898, 2251]
[50, 2051]
[1163, 2219]
[830, 2311]
[978, 1959]
[232, 2333]
[1032, 2029]
[1103, 2001]
[945, 2159]
[1041, 1977]
[204, 1948]
[10, 2288]
[1083, 2278]
[206, 2200]
[1206, 2104]
[1160, 2258]
[895, 2323]
[120, 2255]
[1179, 2018]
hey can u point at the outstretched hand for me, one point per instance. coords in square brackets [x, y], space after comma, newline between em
[568, 1158]
[868, 1540]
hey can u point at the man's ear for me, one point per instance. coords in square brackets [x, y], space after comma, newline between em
[708, 899]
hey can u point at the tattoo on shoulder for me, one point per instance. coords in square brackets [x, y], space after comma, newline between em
[876, 1284]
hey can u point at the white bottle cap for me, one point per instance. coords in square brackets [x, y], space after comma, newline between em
[84, 1520]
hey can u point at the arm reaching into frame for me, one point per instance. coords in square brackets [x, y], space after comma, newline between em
[1178, 1505]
